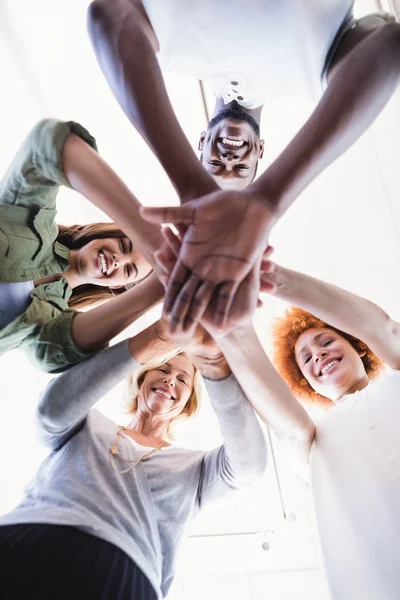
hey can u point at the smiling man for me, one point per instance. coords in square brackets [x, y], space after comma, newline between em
[231, 146]
[248, 53]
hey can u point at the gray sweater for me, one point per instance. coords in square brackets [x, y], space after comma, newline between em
[147, 511]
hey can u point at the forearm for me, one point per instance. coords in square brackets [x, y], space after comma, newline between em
[150, 344]
[91, 176]
[214, 368]
[118, 30]
[243, 456]
[362, 84]
[92, 329]
[267, 392]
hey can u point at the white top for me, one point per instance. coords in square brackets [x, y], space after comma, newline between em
[248, 51]
[355, 466]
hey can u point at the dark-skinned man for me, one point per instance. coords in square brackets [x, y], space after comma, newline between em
[247, 52]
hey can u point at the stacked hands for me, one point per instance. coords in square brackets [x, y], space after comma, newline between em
[215, 266]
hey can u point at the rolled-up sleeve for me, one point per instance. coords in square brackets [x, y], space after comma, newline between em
[52, 349]
[36, 173]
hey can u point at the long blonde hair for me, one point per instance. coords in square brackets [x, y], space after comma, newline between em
[134, 382]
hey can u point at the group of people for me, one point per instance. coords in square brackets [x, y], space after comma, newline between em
[104, 516]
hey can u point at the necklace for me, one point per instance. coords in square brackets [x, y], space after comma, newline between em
[133, 463]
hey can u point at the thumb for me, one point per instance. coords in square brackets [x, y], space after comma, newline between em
[268, 251]
[267, 286]
[168, 214]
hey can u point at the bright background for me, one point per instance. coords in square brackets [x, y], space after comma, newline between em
[345, 228]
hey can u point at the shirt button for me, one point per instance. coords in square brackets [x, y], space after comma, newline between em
[47, 288]
[234, 83]
[240, 98]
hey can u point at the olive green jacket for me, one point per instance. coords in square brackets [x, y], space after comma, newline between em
[29, 250]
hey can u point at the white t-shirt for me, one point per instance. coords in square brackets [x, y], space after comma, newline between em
[355, 466]
[248, 51]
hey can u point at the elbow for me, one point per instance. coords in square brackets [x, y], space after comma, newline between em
[392, 337]
[389, 35]
[258, 469]
[100, 15]
[45, 415]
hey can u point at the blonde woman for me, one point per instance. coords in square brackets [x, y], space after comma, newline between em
[105, 514]
[46, 270]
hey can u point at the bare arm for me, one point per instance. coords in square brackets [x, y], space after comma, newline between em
[269, 395]
[341, 309]
[360, 86]
[125, 46]
[94, 328]
[91, 176]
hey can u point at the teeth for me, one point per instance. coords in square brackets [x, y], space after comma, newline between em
[103, 263]
[235, 143]
[328, 366]
[164, 394]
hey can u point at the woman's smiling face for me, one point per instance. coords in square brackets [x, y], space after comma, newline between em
[329, 362]
[167, 389]
[111, 262]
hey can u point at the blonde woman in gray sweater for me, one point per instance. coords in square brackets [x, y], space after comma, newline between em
[106, 512]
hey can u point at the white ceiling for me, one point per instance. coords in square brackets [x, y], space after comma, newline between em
[345, 228]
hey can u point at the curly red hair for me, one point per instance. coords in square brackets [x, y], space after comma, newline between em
[285, 332]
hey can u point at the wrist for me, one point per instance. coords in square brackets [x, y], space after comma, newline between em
[267, 197]
[211, 367]
[150, 343]
[195, 186]
[259, 203]
[235, 337]
[285, 281]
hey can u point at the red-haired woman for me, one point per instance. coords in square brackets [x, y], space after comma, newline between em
[355, 458]
[47, 271]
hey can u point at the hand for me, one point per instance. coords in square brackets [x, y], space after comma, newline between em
[243, 306]
[199, 343]
[226, 232]
[201, 348]
[271, 276]
[204, 353]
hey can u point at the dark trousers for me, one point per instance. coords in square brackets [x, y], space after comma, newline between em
[55, 562]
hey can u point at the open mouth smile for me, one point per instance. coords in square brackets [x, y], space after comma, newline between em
[232, 142]
[328, 366]
[163, 392]
[103, 262]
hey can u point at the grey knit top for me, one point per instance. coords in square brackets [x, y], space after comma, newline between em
[146, 511]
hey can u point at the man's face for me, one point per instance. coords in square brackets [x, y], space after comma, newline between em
[231, 148]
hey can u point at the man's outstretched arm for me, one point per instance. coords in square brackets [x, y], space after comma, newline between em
[126, 46]
[360, 84]
[359, 87]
